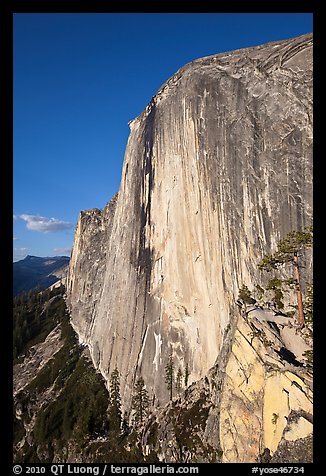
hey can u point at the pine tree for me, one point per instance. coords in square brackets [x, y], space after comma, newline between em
[178, 382]
[115, 401]
[125, 425]
[275, 285]
[245, 296]
[140, 401]
[308, 303]
[288, 251]
[187, 373]
[169, 373]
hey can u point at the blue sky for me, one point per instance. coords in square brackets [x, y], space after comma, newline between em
[78, 80]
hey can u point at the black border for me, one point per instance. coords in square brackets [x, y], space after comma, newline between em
[8, 9]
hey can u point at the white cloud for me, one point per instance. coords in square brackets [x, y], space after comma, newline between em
[44, 224]
[15, 238]
[62, 251]
[20, 253]
[15, 217]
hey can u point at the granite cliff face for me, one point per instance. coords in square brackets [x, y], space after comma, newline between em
[217, 169]
[252, 400]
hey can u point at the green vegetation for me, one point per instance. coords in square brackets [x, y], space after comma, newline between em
[292, 245]
[259, 292]
[78, 413]
[181, 379]
[140, 401]
[186, 375]
[35, 314]
[67, 408]
[309, 358]
[169, 373]
[115, 416]
[125, 428]
[152, 430]
[188, 426]
[308, 304]
[289, 249]
[245, 295]
[178, 381]
[265, 456]
[260, 334]
[275, 285]
[77, 408]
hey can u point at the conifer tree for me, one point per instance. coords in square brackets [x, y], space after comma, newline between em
[245, 297]
[169, 373]
[140, 401]
[178, 381]
[125, 425]
[275, 285]
[308, 303]
[115, 401]
[186, 376]
[289, 250]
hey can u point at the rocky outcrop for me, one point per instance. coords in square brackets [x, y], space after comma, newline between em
[264, 382]
[38, 356]
[217, 169]
[87, 265]
[254, 399]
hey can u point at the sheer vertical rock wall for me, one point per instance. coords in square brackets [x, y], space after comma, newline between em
[217, 169]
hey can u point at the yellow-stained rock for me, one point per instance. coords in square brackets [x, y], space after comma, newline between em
[246, 369]
[256, 402]
[280, 398]
[299, 399]
[299, 429]
[240, 432]
[241, 415]
[276, 410]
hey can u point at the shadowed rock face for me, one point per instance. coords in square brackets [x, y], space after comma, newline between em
[217, 169]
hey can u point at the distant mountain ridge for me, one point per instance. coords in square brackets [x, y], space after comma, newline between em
[35, 272]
